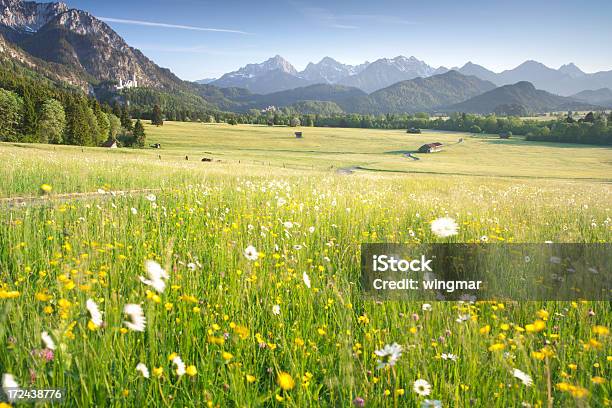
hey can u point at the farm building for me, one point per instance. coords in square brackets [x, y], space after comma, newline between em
[298, 135]
[110, 144]
[413, 130]
[505, 135]
[431, 147]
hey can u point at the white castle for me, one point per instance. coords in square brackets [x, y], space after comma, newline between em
[130, 83]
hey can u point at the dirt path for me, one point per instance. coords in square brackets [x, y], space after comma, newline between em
[53, 198]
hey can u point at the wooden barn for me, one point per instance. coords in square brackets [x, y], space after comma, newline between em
[413, 130]
[431, 147]
[298, 135]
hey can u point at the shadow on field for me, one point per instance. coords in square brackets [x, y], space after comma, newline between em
[522, 142]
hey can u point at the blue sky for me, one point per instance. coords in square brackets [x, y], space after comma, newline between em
[199, 39]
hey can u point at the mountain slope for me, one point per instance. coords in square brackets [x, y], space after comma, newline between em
[424, 94]
[272, 75]
[330, 71]
[602, 96]
[384, 72]
[77, 40]
[318, 92]
[522, 93]
[478, 71]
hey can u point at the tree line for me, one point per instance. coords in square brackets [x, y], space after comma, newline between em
[35, 110]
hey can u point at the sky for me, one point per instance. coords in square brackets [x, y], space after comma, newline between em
[205, 39]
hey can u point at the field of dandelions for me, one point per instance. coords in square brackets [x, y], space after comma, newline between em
[242, 290]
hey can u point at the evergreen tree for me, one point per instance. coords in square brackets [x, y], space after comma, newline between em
[139, 134]
[126, 119]
[157, 117]
[11, 112]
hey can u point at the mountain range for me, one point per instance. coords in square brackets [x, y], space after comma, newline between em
[523, 94]
[71, 46]
[277, 74]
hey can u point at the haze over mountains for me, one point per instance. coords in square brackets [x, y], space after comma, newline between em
[71, 46]
[370, 77]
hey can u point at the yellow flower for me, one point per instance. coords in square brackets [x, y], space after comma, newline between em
[279, 398]
[250, 378]
[241, 331]
[4, 405]
[485, 329]
[125, 393]
[299, 342]
[542, 314]
[537, 326]
[598, 380]
[172, 356]
[191, 371]
[43, 297]
[12, 294]
[504, 326]
[168, 306]
[572, 366]
[158, 371]
[48, 309]
[399, 392]
[601, 330]
[496, 347]
[579, 392]
[285, 381]
[227, 356]
[92, 326]
[46, 188]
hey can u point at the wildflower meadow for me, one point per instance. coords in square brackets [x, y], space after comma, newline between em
[239, 286]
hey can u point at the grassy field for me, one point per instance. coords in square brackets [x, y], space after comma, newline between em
[288, 326]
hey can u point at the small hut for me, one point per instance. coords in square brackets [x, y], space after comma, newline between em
[413, 130]
[298, 135]
[431, 147]
[110, 144]
[505, 135]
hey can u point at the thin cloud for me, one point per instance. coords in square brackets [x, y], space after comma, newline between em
[166, 25]
[324, 17]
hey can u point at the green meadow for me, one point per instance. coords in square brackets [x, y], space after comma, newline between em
[261, 304]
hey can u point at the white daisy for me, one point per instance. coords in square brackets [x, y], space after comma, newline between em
[157, 276]
[276, 310]
[134, 211]
[449, 356]
[9, 384]
[251, 253]
[137, 321]
[524, 377]
[96, 315]
[422, 388]
[306, 279]
[151, 197]
[388, 355]
[426, 307]
[288, 224]
[180, 366]
[143, 369]
[444, 227]
[311, 229]
[49, 343]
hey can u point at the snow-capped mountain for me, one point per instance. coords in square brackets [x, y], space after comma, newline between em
[330, 71]
[273, 75]
[385, 71]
